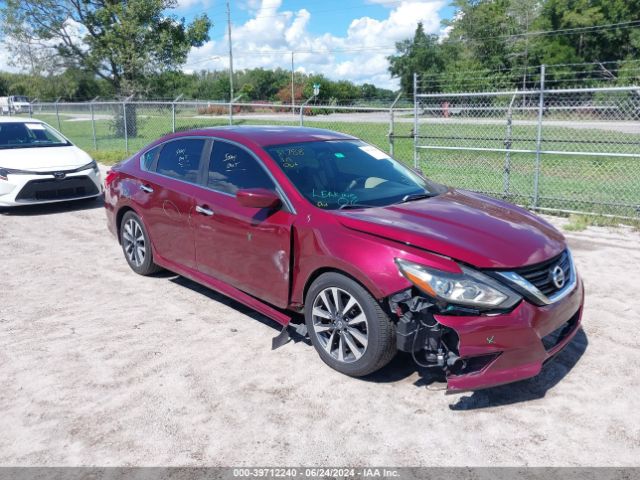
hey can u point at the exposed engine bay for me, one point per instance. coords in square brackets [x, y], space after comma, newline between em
[430, 343]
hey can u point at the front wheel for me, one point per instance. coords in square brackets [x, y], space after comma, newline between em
[347, 326]
[136, 245]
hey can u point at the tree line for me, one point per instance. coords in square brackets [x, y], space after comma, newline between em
[496, 44]
[251, 85]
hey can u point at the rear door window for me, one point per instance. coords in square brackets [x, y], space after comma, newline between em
[180, 159]
[232, 168]
[147, 158]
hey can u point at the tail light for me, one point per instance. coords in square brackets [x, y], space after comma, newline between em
[111, 176]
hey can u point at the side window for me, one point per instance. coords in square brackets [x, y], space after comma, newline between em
[181, 159]
[147, 158]
[232, 168]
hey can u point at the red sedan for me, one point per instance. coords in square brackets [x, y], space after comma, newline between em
[378, 259]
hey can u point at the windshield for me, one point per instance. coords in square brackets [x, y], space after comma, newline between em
[21, 99]
[349, 173]
[29, 134]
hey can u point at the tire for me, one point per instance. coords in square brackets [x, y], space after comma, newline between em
[344, 339]
[136, 245]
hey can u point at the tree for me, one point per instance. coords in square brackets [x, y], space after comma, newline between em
[4, 86]
[122, 42]
[420, 55]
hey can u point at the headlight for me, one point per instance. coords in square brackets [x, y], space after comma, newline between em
[469, 288]
[92, 164]
[5, 172]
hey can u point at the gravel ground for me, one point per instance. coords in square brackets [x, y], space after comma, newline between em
[99, 366]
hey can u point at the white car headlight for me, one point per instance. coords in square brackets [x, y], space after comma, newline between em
[5, 172]
[91, 165]
[470, 288]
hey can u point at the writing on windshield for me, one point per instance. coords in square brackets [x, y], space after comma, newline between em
[337, 173]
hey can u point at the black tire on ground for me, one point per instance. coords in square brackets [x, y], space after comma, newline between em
[380, 330]
[142, 265]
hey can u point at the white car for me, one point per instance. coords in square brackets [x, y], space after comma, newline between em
[39, 165]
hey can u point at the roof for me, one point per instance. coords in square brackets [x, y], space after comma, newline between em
[265, 135]
[7, 119]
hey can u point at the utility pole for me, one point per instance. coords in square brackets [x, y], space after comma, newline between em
[293, 96]
[230, 65]
[526, 60]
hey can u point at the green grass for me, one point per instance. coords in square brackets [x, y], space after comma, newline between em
[107, 157]
[578, 223]
[602, 185]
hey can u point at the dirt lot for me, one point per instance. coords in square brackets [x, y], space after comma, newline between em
[99, 366]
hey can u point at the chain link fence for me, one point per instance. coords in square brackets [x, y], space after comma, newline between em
[572, 150]
[128, 126]
[565, 150]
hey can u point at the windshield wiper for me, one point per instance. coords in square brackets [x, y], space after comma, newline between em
[416, 196]
[34, 145]
[354, 205]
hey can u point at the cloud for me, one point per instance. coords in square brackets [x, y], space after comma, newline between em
[187, 4]
[267, 39]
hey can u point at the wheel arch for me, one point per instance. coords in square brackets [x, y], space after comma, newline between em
[322, 270]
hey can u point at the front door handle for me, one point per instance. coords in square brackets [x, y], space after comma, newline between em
[146, 188]
[204, 210]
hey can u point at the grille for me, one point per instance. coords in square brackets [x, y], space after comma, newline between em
[540, 275]
[51, 189]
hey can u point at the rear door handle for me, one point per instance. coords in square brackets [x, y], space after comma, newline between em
[146, 188]
[204, 210]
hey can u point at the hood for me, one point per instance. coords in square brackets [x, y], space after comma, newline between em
[469, 227]
[43, 159]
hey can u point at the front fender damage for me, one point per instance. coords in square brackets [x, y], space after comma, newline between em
[430, 343]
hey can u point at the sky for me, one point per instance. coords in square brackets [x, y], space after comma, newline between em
[342, 39]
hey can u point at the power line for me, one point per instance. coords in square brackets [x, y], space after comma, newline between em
[332, 10]
[631, 24]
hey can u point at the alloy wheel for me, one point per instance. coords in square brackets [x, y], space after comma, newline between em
[134, 244]
[340, 324]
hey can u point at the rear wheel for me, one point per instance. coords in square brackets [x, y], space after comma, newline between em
[136, 245]
[347, 326]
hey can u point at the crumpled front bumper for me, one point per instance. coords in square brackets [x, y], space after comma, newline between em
[512, 344]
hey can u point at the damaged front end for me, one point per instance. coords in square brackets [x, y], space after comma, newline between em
[430, 343]
[479, 331]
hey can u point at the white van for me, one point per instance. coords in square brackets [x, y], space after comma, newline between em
[14, 104]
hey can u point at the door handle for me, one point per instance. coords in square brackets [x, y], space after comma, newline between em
[204, 210]
[146, 188]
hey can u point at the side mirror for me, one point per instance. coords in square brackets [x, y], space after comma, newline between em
[258, 198]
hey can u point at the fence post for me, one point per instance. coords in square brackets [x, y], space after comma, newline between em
[93, 124]
[126, 133]
[536, 173]
[173, 111]
[416, 156]
[58, 114]
[507, 145]
[316, 90]
[392, 125]
[31, 106]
